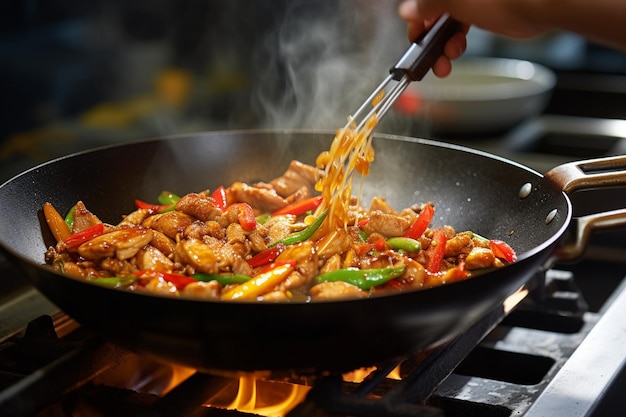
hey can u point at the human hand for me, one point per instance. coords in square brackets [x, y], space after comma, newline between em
[417, 24]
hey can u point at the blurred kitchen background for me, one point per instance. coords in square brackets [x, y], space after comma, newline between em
[80, 74]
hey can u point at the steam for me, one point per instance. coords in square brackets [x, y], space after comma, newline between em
[324, 59]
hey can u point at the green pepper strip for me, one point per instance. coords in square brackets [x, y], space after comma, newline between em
[113, 282]
[479, 237]
[69, 217]
[225, 279]
[404, 243]
[169, 199]
[302, 235]
[263, 218]
[166, 198]
[362, 278]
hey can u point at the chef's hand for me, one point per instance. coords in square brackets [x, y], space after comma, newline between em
[599, 20]
[418, 20]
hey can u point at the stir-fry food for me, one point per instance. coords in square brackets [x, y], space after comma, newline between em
[267, 242]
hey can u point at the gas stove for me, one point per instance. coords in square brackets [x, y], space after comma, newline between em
[557, 348]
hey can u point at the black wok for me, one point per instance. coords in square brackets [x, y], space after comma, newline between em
[471, 191]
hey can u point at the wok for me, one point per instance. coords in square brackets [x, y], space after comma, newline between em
[471, 191]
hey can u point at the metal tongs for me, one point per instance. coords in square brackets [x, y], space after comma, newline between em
[412, 66]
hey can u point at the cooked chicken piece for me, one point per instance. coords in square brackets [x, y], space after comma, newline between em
[151, 258]
[479, 258]
[264, 199]
[279, 227]
[380, 204]
[300, 194]
[211, 256]
[83, 218]
[117, 268]
[296, 176]
[273, 296]
[170, 223]
[135, 218]
[205, 290]
[197, 254]
[159, 286]
[306, 269]
[199, 206]
[162, 243]
[123, 244]
[415, 273]
[332, 264]
[459, 244]
[335, 242]
[198, 229]
[336, 290]
[388, 225]
[236, 238]
[256, 239]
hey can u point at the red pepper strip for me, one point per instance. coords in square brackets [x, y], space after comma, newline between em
[267, 256]
[300, 207]
[83, 236]
[421, 223]
[219, 197]
[363, 222]
[438, 251]
[179, 281]
[245, 215]
[380, 244]
[149, 206]
[502, 250]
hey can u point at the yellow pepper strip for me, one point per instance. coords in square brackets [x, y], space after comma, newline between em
[259, 284]
[56, 223]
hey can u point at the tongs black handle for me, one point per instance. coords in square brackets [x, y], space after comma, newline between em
[424, 51]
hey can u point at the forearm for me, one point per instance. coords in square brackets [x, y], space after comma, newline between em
[603, 21]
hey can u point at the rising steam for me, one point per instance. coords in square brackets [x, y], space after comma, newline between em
[323, 59]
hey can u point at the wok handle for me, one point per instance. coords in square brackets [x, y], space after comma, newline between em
[588, 174]
[583, 227]
[592, 173]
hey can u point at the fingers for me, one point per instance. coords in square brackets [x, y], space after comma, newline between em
[417, 21]
[456, 46]
[442, 67]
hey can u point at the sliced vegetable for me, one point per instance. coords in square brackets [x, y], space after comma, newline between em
[69, 217]
[365, 279]
[273, 265]
[140, 204]
[219, 197]
[179, 281]
[300, 207]
[502, 250]
[404, 243]
[259, 284]
[113, 282]
[421, 223]
[380, 244]
[245, 215]
[263, 218]
[167, 198]
[223, 279]
[267, 256]
[304, 234]
[56, 223]
[85, 235]
[437, 252]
